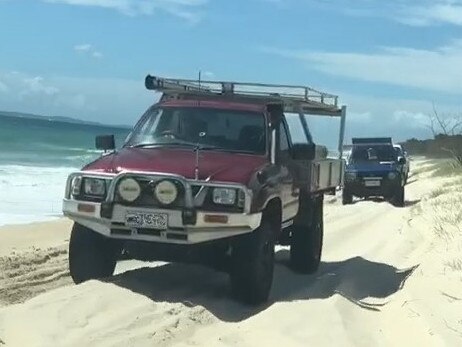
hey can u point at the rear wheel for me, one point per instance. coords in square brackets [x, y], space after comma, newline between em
[252, 264]
[347, 197]
[91, 255]
[307, 240]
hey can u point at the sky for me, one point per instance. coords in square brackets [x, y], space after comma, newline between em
[389, 61]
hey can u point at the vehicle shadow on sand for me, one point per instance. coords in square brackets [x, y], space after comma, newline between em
[379, 200]
[355, 279]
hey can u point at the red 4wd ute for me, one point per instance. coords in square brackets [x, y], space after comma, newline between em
[216, 173]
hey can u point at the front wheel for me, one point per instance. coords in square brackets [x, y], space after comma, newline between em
[252, 265]
[398, 199]
[307, 240]
[91, 255]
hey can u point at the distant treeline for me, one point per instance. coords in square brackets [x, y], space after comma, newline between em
[441, 146]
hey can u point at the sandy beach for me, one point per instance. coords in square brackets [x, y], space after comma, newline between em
[389, 276]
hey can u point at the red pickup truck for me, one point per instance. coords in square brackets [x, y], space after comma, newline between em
[216, 173]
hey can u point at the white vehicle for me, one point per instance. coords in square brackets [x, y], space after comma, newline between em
[402, 153]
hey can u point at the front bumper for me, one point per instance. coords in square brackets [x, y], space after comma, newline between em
[88, 214]
[387, 188]
[205, 226]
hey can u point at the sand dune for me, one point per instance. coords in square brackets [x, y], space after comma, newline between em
[387, 278]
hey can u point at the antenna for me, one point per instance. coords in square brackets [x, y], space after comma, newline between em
[198, 146]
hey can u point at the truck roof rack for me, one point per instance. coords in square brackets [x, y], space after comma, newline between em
[371, 140]
[294, 98]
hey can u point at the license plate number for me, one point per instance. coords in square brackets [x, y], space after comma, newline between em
[372, 183]
[147, 220]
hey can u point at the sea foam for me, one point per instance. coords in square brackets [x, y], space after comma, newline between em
[30, 193]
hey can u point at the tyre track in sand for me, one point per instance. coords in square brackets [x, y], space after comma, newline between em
[27, 274]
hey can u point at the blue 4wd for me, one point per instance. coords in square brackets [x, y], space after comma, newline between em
[374, 169]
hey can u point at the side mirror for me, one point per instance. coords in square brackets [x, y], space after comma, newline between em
[304, 151]
[105, 142]
[401, 160]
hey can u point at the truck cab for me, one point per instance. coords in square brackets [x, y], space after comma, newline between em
[210, 175]
[374, 169]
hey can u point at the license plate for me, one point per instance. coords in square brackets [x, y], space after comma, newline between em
[372, 183]
[147, 220]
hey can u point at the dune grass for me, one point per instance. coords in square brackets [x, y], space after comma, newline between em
[446, 202]
[447, 168]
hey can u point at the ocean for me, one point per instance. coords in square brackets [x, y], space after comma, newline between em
[36, 156]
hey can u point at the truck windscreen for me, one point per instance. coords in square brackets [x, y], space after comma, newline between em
[372, 153]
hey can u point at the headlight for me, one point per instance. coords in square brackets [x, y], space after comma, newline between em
[224, 196]
[166, 192]
[350, 175]
[129, 189]
[391, 175]
[76, 185]
[94, 186]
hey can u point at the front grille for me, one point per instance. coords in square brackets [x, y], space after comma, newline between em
[195, 188]
[378, 174]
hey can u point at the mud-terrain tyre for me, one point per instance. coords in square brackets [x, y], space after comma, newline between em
[252, 265]
[91, 255]
[398, 199]
[307, 240]
[347, 197]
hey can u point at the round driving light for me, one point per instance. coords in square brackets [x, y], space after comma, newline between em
[129, 189]
[392, 175]
[166, 192]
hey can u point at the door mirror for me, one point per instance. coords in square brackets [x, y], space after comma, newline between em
[304, 151]
[105, 142]
[401, 160]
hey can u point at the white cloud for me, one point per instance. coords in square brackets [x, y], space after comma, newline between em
[438, 69]
[412, 119]
[112, 101]
[37, 86]
[208, 75]
[186, 9]
[88, 49]
[85, 47]
[409, 12]
[97, 55]
[433, 12]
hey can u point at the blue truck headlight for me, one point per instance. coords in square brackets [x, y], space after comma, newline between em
[224, 196]
[350, 176]
[392, 175]
[94, 186]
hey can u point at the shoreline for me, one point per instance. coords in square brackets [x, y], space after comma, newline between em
[45, 219]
